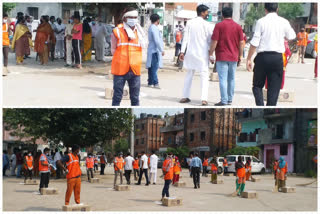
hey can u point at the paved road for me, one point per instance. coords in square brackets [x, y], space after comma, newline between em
[210, 197]
[56, 86]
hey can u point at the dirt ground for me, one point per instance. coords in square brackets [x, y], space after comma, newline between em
[210, 197]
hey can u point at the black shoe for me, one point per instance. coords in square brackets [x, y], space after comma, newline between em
[154, 183]
[199, 186]
[137, 184]
[220, 104]
[195, 187]
[229, 103]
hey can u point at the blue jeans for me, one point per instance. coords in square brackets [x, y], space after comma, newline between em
[19, 167]
[153, 70]
[134, 88]
[226, 71]
[165, 190]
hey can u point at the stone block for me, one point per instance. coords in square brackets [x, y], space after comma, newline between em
[122, 187]
[94, 180]
[288, 189]
[30, 182]
[109, 94]
[218, 182]
[76, 207]
[284, 95]
[180, 184]
[172, 201]
[256, 179]
[249, 194]
[48, 191]
[228, 174]
[214, 77]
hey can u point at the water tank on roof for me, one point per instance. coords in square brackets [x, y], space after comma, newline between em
[143, 115]
[149, 115]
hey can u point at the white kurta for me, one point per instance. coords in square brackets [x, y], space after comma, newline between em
[153, 167]
[196, 42]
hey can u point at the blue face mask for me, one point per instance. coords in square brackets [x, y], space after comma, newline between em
[132, 22]
[93, 23]
[71, 21]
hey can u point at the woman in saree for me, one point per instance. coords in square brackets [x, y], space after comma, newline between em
[87, 41]
[21, 41]
[43, 36]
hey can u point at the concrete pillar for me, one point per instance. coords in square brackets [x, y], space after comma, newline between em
[236, 12]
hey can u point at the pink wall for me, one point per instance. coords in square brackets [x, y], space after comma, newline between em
[276, 147]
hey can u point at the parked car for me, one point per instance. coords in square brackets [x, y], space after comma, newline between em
[256, 164]
[310, 47]
[220, 164]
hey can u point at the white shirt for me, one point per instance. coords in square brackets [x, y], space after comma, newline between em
[13, 159]
[57, 157]
[153, 163]
[128, 161]
[270, 32]
[94, 29]
[29, 25]
[60, 36]
[144, 158]
[68, 30]
[197, 40]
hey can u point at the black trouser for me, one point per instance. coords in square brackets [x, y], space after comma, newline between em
[96, 167]
[52, 50]
[91, 171]
[102, 168]
[76, 51]
[127, 174]
[28, 172]
[165, 190]
[178, 49]
[196, 176]
[267, 65]
[44, 179]
[5, 51]
[136, 174]
[145, 171]
[58, 172]
[204, 172]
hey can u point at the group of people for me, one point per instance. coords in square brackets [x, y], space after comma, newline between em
[71, 40]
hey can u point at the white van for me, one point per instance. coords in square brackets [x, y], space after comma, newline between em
[256, 165]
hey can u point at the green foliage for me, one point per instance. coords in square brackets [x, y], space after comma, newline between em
[290, 11]
[181, 152]
[254, 14]
[310, 173]
[243, 151]
[85, 127]
[121, 145]
[7, 7]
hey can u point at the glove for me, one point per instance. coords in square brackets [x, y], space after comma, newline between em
[67, 171]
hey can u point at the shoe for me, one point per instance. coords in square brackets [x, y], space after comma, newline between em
[147, 184]
[195, 187]
[220, 104]
[67, 65]
[204, 103]
[154, 183]
[199, 186]
[150, 86]
[137, 184]
[185, 100]
[229, 103]
[157, 86]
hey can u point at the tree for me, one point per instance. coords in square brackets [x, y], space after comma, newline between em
[85, 127]
[239, 150]
[181, 152]
[256, 12]
[7, 7]
[121, 145]
[290, 11]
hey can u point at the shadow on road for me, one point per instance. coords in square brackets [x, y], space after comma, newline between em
[28, 191]
[41, 209]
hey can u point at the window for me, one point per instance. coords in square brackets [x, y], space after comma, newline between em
[142, 127]
[137, 141]
[33, 11]
[277, 131]
[255, 160]
[284, 149]
[192, 118]
[203, 115]
[231, 159]
[169, 140]
[137, 127]
[142, 141]
[191, 137]
[203, 135]
[243, 137]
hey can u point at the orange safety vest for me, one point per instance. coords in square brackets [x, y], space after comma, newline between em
[302, 39]
[178, 36]
[29, 161]
[177, 168]
[213, 167]
[89, 162]
[205, 162]
[119, 162]
[102, 160]
[95, 160]
[225, 162]
[73, 166]
[5, 34]
[136, 164]
[43, 168]
[167, 167]
[128, 54]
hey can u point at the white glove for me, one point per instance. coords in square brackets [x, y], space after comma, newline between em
[67, 171]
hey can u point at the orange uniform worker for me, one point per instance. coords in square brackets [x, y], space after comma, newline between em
[28, 165]
[136, 169]
[275, 167]
[167, 169]
[5, 43]
[96, 163]
[225, 165]
[44, 169]
[302, 43]
[248, 169]
[214, 169]
[90, 165]
[118, 168]
[282, 172]
[176, 171]
[73, 170]
[241, 174]
[316, 50]
[126, 46]
[205, 165]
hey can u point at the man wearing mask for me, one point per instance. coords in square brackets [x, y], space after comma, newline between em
[73, 171]
[195, 53]
[90, 165]
[127, 42]
[60, 38]
[44, 169]
[167, 170]
[53, 42]
[5, 43]
[118, 168]
[68, 37]
[28, 165]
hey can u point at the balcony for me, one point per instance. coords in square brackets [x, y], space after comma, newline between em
[276, 113]
[175, 128]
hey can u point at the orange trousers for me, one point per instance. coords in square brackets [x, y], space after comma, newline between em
[74, 185]
[248, 174]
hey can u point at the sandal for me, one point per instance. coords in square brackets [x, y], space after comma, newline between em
[185, 100]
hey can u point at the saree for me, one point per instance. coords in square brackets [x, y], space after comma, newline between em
[87, 50]
[21, 42]
[43, 32]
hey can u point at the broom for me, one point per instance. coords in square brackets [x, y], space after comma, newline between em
[306, 183]
[276, 189]
[234, 194]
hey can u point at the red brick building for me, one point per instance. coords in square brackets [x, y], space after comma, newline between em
[173, 132]
[147, 133]
[210, 131]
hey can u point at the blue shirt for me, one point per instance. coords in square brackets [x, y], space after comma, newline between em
[196, 162]
[155, 45]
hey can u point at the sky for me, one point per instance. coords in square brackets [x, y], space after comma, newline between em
[157, 111]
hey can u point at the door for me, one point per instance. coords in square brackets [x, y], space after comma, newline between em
[269, 158]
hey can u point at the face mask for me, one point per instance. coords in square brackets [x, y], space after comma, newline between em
[132, 22]
[29, 154]
[93, 23]
[5, 21]
[71, 21]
